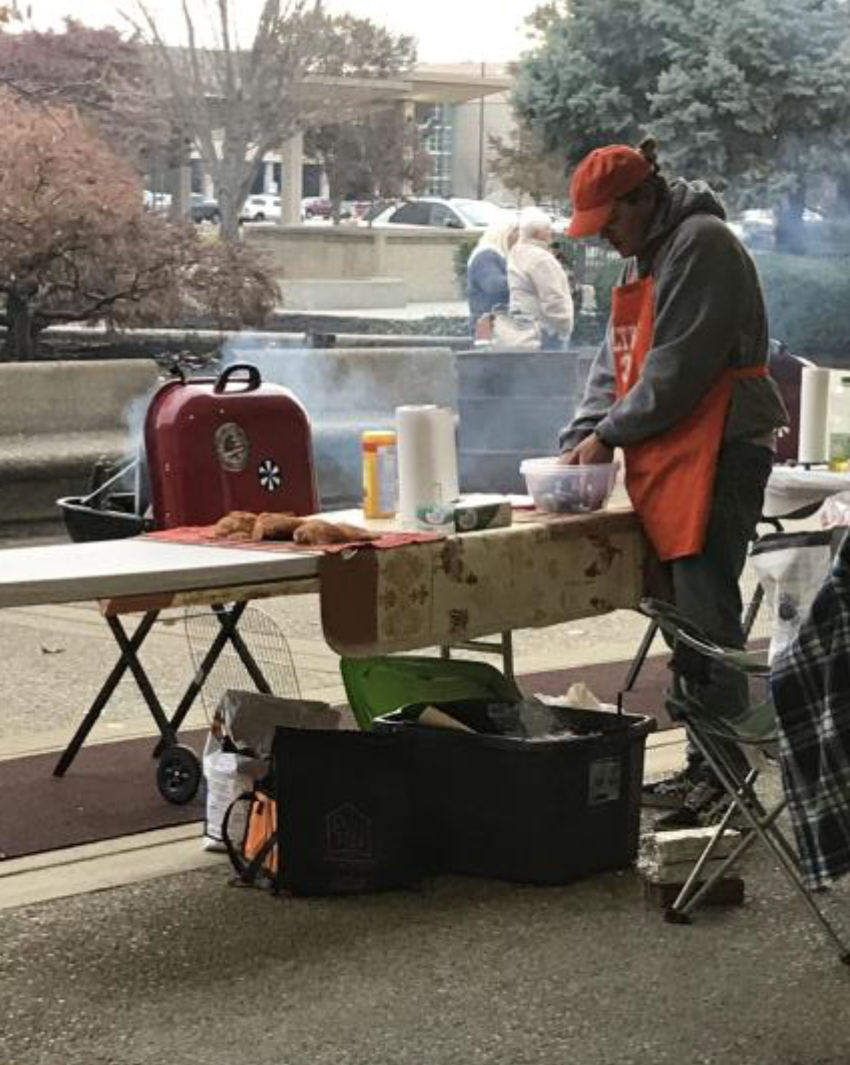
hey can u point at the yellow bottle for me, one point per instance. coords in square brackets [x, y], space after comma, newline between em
[379, 473]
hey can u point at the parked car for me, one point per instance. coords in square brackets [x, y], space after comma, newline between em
[261, 208]
[756, 227]
[204, 209]
[156, 201]
[316, 207]
[436, 211]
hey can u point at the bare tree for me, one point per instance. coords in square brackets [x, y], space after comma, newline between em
[236, 105]
[523, 167]
[379, 156]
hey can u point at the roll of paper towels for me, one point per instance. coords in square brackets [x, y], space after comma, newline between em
[427, 462]
[814, 415]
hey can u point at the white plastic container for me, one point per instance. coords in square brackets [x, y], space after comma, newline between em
[558, 489]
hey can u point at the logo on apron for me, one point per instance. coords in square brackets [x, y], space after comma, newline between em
[624, 344]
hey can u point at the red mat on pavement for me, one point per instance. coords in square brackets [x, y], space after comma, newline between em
[109, 791]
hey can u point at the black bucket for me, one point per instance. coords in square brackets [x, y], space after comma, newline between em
[114, 520]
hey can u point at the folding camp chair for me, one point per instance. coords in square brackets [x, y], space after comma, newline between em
[755, 620]
[697, 661]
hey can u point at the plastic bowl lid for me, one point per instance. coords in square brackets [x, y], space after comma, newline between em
[546, 465]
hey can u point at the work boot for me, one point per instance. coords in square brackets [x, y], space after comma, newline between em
[704, 805]
[671, 792]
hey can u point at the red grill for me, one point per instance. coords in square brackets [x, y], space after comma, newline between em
[232, 443]
[212, 445]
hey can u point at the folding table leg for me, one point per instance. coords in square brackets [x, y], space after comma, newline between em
[505, 648]
[129, 649]
[141, 678]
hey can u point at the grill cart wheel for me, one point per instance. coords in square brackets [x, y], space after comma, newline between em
[178, 774]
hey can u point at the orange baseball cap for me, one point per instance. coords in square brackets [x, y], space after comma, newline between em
[598, 180]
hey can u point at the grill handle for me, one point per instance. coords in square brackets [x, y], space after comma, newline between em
[251, 385]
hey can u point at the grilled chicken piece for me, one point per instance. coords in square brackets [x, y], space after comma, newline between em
[275, 526]
[318, 531]
[237, 525]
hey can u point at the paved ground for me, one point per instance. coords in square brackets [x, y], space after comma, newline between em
[179, 967]
[188, 970]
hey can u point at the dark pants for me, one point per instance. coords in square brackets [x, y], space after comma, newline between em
[705, 586]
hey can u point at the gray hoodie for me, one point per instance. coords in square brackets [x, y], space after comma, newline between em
[709, 317]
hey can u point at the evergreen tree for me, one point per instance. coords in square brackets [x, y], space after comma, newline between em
[750, 95]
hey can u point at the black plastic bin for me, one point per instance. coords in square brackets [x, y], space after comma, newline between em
[545, 811]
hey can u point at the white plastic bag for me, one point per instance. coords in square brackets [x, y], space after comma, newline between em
[835, 511]
[225, 781]
[791, 567]
[515, 332]
[239, 745]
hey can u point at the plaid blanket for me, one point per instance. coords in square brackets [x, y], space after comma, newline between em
[810, 681]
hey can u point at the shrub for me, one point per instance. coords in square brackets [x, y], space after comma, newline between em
[807, 304]
[77, 246]
[461, 259]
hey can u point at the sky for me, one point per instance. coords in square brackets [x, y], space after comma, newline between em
[448, 31]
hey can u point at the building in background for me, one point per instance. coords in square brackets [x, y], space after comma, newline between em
[459, 132]
[457, 107]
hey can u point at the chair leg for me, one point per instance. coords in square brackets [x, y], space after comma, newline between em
[693, 890]
[762, 823]
[640, 656]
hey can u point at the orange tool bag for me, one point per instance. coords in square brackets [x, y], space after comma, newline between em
[335, 816]
[255, 859]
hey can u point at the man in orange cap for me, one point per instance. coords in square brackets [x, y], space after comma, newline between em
[680, 384]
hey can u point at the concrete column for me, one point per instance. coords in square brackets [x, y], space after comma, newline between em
[269, 183]
[292, 155]
[408, 114]
[379, 252]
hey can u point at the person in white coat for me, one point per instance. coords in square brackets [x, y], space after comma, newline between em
[539, 287]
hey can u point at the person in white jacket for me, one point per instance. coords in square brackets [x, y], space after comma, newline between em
[539, 288]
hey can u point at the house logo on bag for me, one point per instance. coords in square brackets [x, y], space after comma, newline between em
[348, 835]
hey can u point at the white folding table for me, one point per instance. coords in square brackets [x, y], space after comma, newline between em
[441, 593]
[141, 576]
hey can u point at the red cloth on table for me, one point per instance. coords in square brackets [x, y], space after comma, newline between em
[202, 535]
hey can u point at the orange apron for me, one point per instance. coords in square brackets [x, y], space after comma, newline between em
[669, 477]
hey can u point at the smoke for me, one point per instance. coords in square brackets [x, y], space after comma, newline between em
[349, 384]
[346, 391]
[510, 405]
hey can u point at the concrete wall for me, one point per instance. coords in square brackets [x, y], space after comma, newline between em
[57, 419]
[423, 260]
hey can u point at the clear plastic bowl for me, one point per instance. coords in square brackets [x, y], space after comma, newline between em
[559, 489]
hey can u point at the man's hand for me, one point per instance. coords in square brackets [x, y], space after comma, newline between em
[590, 452]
